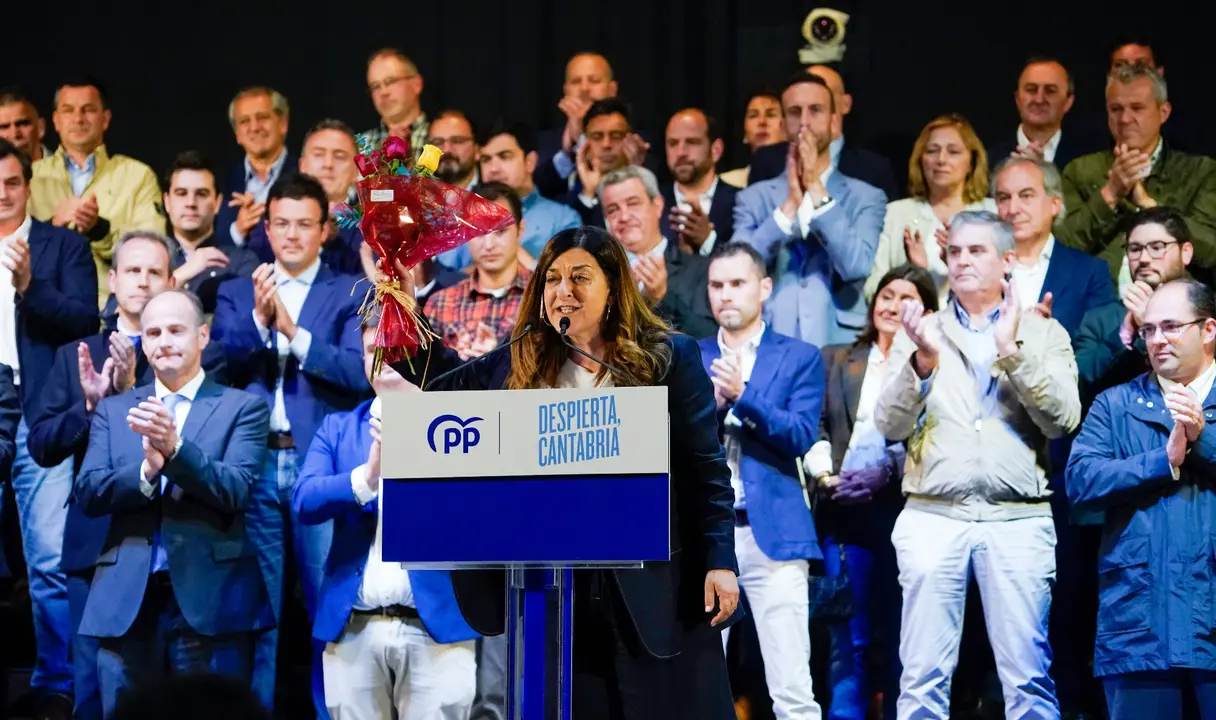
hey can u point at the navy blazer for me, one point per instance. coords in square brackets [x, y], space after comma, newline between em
[10, 415]
[330, 379]
[234, 182]
[59, 306]
[59, 429]
[552, 185]
[858, 163]
[322, 493]
[1072, 146]
[721, 212]
[201, 518]
[665, 600]
[1078, 282]
[779, 409]
[339, 253]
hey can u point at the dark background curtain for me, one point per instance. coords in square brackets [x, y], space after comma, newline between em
[172, 67]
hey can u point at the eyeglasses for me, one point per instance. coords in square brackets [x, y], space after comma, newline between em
[457, 141]
[1156, 249]
[283, 226]
[386, 82]
[1170, 329]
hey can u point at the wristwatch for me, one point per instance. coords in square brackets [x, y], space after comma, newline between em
[177, 447]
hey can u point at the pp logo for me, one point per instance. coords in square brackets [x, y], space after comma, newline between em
[457, 433]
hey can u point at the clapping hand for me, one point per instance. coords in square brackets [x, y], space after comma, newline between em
[152, 419]
[1187, 413]
[651, 271]
[1006, 327]
[122, 358]
[1043, 309]
[265, 292]
[914, 248]
[16, 258]
[372, 470]
[93, 384]
[912, 315]
[726, 373]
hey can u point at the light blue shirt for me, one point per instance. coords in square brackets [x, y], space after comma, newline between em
[979, 348]
[80, 176]
[293, 292]
[259, 187]
[544, 218]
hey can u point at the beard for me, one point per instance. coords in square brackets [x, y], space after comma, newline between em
[451, 169]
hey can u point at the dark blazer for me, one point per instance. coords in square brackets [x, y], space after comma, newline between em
[339, 253]
[1078, 282]
[779, 409]
[323, 493]
[234, 182]
[721, 212]
[330, 379]
[858, 163]
[665, 600]
[1103, 361]
[59, 429]
[552, 185]
[241, 263]
[1072, 145]
[200, 518]
[686, 304]
[846, 371]
[59, 306]
[10, 416]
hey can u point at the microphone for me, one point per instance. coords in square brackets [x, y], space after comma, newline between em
[522, 334]
[562, 327]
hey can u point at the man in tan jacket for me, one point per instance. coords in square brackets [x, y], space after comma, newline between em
[84, 188]
[983, 386]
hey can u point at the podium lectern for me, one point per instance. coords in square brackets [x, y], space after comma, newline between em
[538, 482]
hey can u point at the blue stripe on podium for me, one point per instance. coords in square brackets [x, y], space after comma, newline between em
[551, 520]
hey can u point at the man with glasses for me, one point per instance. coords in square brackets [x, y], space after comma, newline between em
[453, 133]
[1143, 457]
[395, 85]
[1108, 351]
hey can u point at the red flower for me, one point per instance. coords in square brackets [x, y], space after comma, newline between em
[365, 165]
[396, 148]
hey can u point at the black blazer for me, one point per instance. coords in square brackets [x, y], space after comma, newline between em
[234, 182]
[721, 212]
[555, 187]
[1071, 147]
[59, 429]
[686, 305]
[664, 600]
[855, 162]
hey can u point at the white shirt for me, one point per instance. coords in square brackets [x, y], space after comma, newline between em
[1029, 278]
[575, 376]
[1049, 149]
[1201, 387]
[747, 362]
[706, 201]
[293, 292]
[806, 210]
[384, 584]
[8, 304]
[657, 250]
[180, 412]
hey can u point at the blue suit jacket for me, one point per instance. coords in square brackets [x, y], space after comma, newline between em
[234, 182]
[201, 518]
[818, 295]
[323, 492]
[340, 253]
[779, 409]
[1156, 578]
[331, 378]
[59, 429]
[1078, 282]
[59, 306]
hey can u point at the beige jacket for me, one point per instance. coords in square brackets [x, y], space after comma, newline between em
[127, 195]
[974, 468]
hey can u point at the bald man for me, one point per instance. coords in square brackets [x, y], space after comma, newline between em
[588, 78]
[1044, 95]
[851, 160]
[700, 208]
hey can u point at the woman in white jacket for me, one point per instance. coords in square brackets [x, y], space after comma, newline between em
[947, 173]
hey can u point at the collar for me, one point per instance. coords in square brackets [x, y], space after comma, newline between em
[964, 318]
[752, 343]
[707, 194]
[308, 277]
[835, 149]
[90, 164]
[875, 358]
[188, 391]
[209, 241]
[120, 325]
[656, 250]
[1049, 148]
[1157, 153]
[530, 199]
[22, 231]
[275, 167]
[520, 282]
[1201, 385]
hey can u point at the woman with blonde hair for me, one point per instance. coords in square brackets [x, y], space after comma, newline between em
[647, 642]
[947, 173]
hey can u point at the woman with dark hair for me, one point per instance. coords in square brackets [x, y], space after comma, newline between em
[855, 469]
[644, 644]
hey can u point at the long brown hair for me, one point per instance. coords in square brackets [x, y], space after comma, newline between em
[976, 186]
[635, 337]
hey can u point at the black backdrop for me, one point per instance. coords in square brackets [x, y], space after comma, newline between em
[172, 67]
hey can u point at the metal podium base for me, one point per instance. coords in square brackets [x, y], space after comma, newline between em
[538, 686]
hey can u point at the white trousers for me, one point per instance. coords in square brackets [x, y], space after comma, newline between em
[777, 593]
[383, 668]
[1015, 568]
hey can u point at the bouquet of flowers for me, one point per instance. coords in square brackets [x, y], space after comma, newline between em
[408, 216]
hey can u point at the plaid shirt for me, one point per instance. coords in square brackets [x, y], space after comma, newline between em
[419, 130]
[462, 307]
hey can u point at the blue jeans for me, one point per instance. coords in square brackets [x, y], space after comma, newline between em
[42, 498]
[850, 640]
[84, 652]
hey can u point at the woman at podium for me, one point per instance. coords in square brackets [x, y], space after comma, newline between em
[647, 642]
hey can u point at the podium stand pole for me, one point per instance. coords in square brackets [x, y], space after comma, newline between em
[531, 680]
